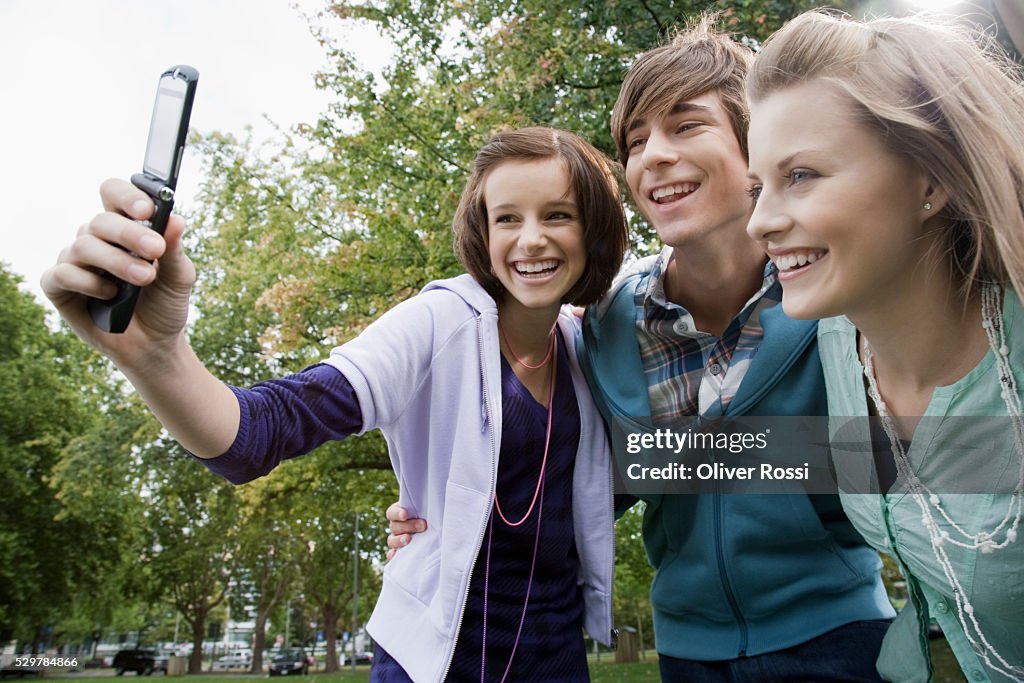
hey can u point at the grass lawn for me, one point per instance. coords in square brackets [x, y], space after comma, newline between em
[607, 671]
[603, 671]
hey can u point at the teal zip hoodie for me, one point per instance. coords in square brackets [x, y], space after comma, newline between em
[738, 574]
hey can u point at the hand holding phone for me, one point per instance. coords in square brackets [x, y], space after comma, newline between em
[164, 150]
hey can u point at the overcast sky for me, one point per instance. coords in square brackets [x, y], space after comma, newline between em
[79, 81]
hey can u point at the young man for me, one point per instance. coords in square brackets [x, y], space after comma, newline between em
[747, 587]
[768, 587]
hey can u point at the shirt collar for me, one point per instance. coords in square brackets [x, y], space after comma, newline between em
[654, 291]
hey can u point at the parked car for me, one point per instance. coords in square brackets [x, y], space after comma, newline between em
[290, 661]
[234, 660]
[21, 672]
[361, 658]
[142, 661]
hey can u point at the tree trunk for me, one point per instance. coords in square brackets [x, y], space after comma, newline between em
[195, 662]
[640, 632]
[259, 639]
[330, 613]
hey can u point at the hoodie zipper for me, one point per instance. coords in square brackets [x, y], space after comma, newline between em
[609, 566]
[613, 635]
[483, 527]
[730, 596]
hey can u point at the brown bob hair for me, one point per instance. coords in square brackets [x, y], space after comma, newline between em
[698, 60]
[595, 188]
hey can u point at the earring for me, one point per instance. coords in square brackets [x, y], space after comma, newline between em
[927, 206]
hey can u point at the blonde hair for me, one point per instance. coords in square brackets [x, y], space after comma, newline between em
[942, 95]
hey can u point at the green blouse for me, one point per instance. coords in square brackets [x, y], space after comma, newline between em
[971, 464]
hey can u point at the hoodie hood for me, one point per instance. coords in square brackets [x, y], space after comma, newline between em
[467, 289]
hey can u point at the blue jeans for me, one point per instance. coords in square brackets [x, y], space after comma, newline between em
[846, 654]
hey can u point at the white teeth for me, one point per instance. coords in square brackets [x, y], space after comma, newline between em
[535, 266]
[797, 260]
[670, 190]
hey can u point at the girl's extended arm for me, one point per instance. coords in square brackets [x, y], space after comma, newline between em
[153, 353]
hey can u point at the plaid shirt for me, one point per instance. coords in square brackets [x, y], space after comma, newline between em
[690, 372]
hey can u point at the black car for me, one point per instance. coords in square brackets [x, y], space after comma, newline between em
[291, 661]
[21, 672]
[142, 661]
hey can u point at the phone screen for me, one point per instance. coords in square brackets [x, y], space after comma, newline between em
[161, 148]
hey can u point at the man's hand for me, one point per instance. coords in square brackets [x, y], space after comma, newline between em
[402, 528]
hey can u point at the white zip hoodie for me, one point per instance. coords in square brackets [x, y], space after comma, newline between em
[428, 374]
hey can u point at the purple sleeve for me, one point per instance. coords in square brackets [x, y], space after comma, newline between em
[287, 417]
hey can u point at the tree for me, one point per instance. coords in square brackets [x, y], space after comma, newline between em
[270, 542]
[259, 241]
[191, 521]
[334, 548]
[398, 148]
[42, 373]
[633, 575]
[97, 482]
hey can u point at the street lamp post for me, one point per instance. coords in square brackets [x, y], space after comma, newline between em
[355, 589]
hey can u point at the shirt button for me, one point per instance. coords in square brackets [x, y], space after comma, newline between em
[941, 607]
[680, 326]
[716, 369]
[977, 675]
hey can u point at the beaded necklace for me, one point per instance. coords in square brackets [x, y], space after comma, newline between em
[929, 502]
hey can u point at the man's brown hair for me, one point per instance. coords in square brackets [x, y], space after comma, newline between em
[699, 59]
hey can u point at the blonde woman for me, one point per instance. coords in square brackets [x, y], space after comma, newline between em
[887, 164]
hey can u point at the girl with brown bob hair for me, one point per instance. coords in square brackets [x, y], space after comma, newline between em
[593, 183]
[491, 430]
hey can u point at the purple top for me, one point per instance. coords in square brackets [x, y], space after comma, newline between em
[287, 417]
[551, 645]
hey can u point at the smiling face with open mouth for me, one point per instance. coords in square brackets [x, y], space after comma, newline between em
[535, 238]
[840, 215]
[686, 171]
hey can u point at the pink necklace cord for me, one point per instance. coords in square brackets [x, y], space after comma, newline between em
[538, 494]
[526, 601]
[544, 462]
[551, 349]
